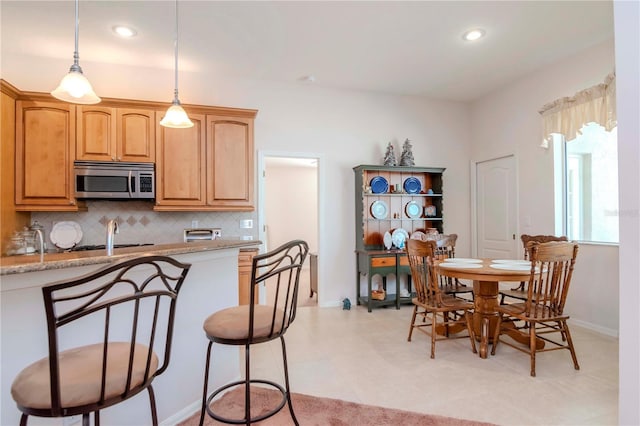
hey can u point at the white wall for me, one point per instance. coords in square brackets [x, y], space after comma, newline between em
[627, 33]
[508, 122]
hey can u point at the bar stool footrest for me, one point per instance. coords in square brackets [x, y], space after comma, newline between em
[253, 419]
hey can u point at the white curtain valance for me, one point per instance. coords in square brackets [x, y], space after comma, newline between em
[567, 115]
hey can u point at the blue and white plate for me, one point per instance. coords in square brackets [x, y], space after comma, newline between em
[379, 185]
[379, 209]
[413, 210]
[412, 185]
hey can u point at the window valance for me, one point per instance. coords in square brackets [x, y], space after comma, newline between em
[567, 115]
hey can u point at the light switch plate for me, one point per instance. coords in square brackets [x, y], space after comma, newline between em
[246, 224]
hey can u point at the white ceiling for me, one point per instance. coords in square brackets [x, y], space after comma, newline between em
[406, 48]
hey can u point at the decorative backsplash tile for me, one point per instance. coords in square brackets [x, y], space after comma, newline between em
[138, 223]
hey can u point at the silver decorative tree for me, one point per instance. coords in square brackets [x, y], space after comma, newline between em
[406, 158]
[389, 156]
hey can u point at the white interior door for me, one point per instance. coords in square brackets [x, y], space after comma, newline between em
[496, 206]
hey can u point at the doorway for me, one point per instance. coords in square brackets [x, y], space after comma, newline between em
[288, 209]
[495, 208]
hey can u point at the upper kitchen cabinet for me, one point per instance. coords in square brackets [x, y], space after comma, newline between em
[180, 165]
[230, 159]
[45, 132]
[10, 219]
[115, 134]
[208, 167]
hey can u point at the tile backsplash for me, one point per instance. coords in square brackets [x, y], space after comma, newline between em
[138, 223]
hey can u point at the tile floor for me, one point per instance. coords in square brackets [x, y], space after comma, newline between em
[365, 357]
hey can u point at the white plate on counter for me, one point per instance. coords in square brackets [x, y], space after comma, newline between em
[66, 234]
[461, 265]
[462, 260]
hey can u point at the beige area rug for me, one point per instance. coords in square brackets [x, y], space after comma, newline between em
[315, 411]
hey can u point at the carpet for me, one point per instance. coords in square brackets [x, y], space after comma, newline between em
[316, 411]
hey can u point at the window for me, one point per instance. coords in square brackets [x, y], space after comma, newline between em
[588, 190]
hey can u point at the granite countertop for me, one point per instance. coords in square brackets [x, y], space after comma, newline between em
[31, 263]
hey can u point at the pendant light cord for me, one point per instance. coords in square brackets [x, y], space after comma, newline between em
[175, 99]
[76, 56]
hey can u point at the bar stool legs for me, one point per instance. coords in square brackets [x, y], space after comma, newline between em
[286, 392]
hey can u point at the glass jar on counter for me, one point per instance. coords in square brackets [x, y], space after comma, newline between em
[17, 245]
[29, 237]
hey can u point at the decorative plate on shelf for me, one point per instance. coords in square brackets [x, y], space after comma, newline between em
[65, 234]
[387, 240]
[412, 185]
[379, 185]
[399, 236]
[413, 209]
[379, 209]
[419, 235]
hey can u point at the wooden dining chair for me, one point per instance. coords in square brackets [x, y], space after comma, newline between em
[124, 315]
[543, 313]
[520, 292]
[446, 249]
[431, 303]
[247, 325]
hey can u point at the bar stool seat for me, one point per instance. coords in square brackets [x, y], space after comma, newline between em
[231, 325]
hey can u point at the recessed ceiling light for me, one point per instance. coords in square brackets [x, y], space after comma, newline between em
[310, 79]
[125, 32]
[474, 34]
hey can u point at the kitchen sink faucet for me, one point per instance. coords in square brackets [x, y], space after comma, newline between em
[41, 241]
[112, 229]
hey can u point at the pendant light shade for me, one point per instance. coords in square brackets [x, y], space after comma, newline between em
[74, 87]
[176, 117]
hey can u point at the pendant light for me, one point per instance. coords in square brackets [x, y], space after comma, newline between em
[176, 117]
[74, 87]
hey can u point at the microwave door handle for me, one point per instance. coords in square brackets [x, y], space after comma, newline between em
[129, 184]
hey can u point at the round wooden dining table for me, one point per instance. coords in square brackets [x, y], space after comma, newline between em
[486, 275]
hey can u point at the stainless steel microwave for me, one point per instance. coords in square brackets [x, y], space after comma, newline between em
[117, 180]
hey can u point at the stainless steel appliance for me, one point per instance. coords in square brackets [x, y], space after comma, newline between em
[114, 180]
[201, 234]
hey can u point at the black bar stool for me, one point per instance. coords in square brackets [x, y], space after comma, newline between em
[279, 271]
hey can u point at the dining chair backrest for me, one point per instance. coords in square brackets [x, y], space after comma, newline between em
[446, 246]
[526, 239]
[421, 261]
[552, 266]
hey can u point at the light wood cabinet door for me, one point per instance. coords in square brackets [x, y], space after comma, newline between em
[45, 135]
[245, 264]
[181, 165]
[115, 134]
[136, 135]
[230, 163]
[10, 219]
[96, 133]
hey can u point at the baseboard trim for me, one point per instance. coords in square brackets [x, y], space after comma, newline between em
[596, 328]
[183, 414]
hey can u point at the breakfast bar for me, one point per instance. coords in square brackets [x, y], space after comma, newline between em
[210, 285]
